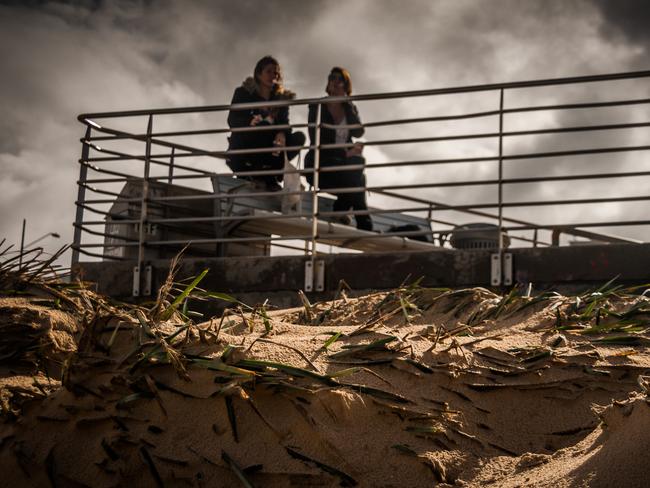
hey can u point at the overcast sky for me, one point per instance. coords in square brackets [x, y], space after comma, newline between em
[60, 59]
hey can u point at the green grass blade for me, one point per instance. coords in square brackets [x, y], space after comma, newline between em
[184, 294]
[331, 340]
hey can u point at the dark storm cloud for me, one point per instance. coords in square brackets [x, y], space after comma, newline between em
[628, 18]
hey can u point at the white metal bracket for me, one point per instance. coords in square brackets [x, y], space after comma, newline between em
[315, 275]
[319, 275]
[309, 276]
[501, 269]
[146, 289]
[136, 281]
[507, 269]
[495, 269]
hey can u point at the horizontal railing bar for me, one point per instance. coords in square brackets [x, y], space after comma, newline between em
[112, 222]
[377, 189]
[580, 128]
[576, 152]
[142, 137]
[374, 211]
[566, 106]
[108, 180]
[541, 179]
[105, 171]
[427, 162]
[228, 218]
[90, 209]
[95, 255]
[397, 163]
[565, 228]
[435, 205]
[210, 241]
[198, 132]
[295, 126]
[104, 234]
[376, 96]
[287, 246]
[121, 156]
[510, 181]
[97, 190]
[109, 200]
[486, 135]
[215, 196]
[582, 201]
[124, 156]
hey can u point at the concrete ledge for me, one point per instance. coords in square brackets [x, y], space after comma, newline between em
[544, 267]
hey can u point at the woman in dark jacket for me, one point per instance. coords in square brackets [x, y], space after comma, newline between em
[265, 85]
[339, 84]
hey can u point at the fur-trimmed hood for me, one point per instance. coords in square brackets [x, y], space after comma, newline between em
[279, 93]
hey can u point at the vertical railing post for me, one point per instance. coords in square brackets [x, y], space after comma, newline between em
[500, 196]
[310, 264]
[139, 269]
[170, 176]
[501, 263]
[430, 219]
[316, 178]
[81, 195]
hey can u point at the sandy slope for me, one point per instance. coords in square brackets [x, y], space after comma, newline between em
[421, 387]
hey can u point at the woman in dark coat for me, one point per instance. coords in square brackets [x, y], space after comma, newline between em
[264, 85]
[339, 84]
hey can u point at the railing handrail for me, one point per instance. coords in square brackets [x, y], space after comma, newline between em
[169, 152]
[83, 118]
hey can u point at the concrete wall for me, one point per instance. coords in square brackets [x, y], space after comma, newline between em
[253, 279]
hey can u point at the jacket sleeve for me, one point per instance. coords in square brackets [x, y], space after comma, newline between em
[352, 116]
[239, 118]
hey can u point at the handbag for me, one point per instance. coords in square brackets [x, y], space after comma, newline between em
[291, 202]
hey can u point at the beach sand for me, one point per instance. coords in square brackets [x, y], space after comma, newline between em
[413, 387]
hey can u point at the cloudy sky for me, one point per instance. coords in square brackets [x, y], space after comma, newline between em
[60, 59]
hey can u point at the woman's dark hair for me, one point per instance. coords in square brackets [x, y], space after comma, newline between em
[347, 80]
[263, 63]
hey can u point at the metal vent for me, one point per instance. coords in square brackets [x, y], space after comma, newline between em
[477, 236]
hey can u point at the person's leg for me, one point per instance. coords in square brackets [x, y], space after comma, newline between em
[331, 180]
[269, 161]
[241, 164]
[357, 200]
[260, 162]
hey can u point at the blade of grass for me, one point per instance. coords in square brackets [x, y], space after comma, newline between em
[236, 469]
[232, 418]
[346, 480]
[331, 340]
[179, 299]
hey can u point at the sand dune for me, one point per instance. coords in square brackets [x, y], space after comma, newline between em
[413, 387]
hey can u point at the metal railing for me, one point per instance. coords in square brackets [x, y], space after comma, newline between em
[160, 192]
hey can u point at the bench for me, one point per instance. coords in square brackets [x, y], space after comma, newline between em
[329, 231]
